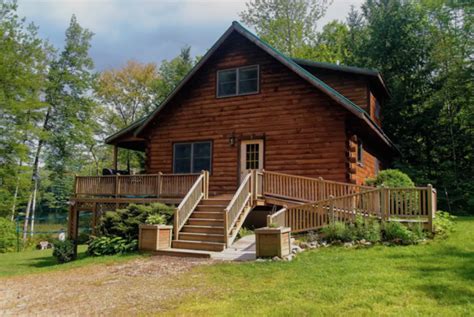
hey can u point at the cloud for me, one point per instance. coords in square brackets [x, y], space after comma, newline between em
[144, 30]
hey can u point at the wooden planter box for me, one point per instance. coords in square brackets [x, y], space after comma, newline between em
[270, 242]
[154, 237]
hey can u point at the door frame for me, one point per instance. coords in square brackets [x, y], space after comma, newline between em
[242, 152]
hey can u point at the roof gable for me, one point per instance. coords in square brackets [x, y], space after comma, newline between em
[290, 63]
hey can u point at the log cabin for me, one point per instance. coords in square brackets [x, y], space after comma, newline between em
[267, 129]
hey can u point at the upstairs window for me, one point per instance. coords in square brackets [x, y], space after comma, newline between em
[360, 151]
[191, 157]
[377, 109]
[237, 81]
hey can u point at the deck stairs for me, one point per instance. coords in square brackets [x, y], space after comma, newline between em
[204, 229]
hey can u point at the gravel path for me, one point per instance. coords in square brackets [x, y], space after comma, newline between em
[130, 288]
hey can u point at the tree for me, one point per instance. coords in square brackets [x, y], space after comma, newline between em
[172, 72]
[129, 93]
[288, 25]
[23, 63]
[331, 44]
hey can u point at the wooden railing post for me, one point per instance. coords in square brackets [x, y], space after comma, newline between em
[320, 188]
[205, 184]
[383, 201]
[117, 186]
[226, 229]
[253, 187]
[160, 184]
[176, 224]
[430, 207]
[331, 208]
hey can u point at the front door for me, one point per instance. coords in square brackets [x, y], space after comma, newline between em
[251, 156]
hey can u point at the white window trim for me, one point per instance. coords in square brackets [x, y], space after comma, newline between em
[192, 155]
[237, 88]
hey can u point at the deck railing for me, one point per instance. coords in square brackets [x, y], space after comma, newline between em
[199, 190]
[305, 189]
[239, 202]
[385, 204]
[143, 185]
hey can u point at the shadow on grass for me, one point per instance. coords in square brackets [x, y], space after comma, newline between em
[448, 294]
[49, 261]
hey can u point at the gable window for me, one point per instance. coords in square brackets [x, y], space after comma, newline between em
[191, 157]
[237, 81]
[377, 109]
[360, 151]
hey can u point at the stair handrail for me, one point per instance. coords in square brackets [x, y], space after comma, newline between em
[198, 191]
[305, 189]
[278, 218]
[238, 203]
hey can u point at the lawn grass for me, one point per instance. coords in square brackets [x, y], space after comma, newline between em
[36, 261]
[432, 279]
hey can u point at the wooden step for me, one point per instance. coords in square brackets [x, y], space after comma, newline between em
[192, 236]
[203, 229]
[183, 253]
[207, 215]
[221, 202]
[198, 245]
[214, 208]
[205, 222]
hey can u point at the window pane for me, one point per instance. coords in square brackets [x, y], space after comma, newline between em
[182, 158]
[202, 150]
[248, 86]
[182, 165]
[182, 150]
[227, 76]
[248, 73]
[248, 80]
[227, 82]
[200, 164]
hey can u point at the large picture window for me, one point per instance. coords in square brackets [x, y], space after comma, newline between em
[237, 81]
[192, 157]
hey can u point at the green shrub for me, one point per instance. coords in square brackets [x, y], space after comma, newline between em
[7, 235]
[245, 232]
[391, 178]
[155, 220]
[337, 230]
[365, 229]
[63, 251]
[398, 233]
[124, 222]
[110, 245]
[443, 223]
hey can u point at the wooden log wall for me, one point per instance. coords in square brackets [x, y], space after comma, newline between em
[303, 129]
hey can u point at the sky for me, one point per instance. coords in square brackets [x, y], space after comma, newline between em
[145, 30]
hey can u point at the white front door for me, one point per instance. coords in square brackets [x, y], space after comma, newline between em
[251, 156]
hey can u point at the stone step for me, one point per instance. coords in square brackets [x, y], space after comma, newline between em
[207, 215]
[203, 229]
[194, 236]
[198, 245]
[205, 222]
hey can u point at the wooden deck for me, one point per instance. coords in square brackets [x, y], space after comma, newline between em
[308, 203]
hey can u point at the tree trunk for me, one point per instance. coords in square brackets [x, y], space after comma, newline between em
[27, 216]
[33, 208]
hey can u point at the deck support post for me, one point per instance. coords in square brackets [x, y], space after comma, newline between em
[431, 206]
